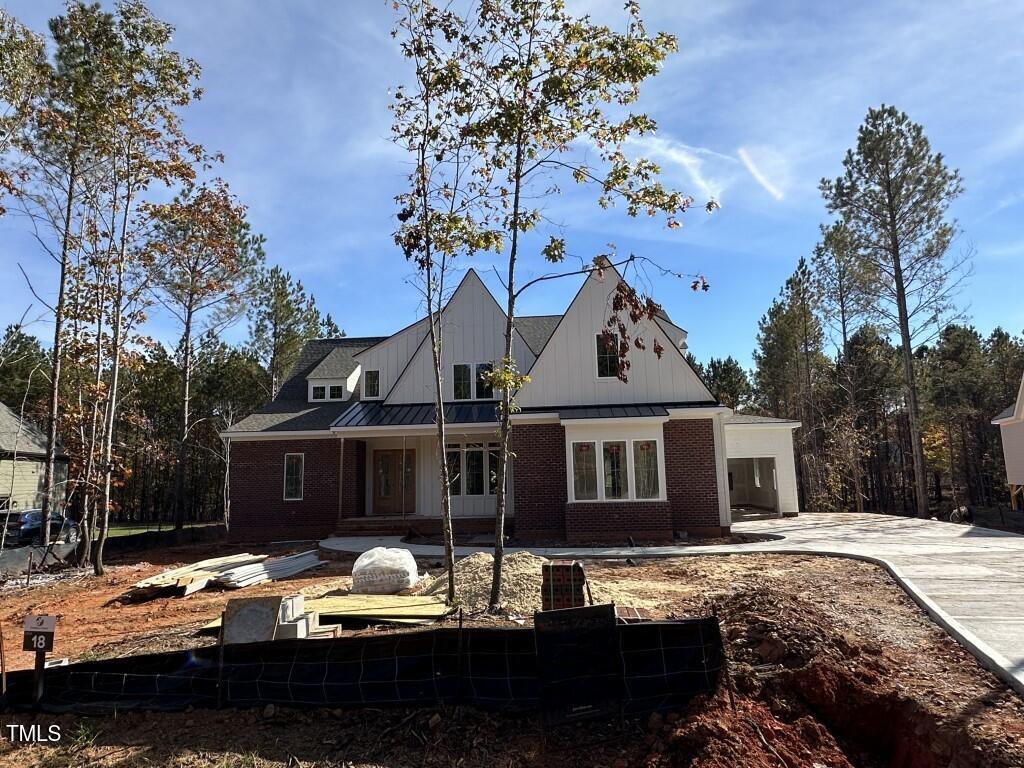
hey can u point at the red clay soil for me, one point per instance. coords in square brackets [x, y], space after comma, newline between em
[832, 666]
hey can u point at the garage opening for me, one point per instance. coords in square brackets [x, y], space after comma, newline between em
[753, 488]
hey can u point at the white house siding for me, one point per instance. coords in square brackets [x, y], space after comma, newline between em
[428, 497]
[753, 441]
[26, 492]
[1013, 451]
[474, 332]
[566, 371]
[390, 356]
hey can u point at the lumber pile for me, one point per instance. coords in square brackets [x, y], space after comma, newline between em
[232, 572]
[188, 578]
[269, 570]
[385, 609]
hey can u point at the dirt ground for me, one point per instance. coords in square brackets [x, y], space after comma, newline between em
[832, 666]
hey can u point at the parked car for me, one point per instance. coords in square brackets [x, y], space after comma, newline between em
[26, 527]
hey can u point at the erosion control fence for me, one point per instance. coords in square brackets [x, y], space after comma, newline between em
[659, 665]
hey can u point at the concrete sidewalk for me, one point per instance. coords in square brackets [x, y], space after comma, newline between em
[969, 580]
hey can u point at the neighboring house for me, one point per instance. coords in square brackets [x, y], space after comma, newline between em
[1011, 429]
[348, 445]
[23, 461]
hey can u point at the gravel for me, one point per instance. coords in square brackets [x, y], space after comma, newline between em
[520, 583]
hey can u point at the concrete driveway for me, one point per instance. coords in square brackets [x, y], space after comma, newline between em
[970, 580]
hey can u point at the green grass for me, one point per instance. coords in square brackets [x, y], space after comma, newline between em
[129, 530]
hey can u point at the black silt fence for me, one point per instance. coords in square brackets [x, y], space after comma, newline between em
[663, 665]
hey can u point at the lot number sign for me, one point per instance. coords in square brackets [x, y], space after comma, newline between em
[39, 633]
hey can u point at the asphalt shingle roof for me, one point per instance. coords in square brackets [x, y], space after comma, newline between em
[537, 329]
[1007, 413]
[22, 437]
[749, 418]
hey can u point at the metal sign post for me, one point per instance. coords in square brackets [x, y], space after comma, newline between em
[38, 637]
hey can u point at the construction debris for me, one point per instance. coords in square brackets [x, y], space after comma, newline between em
[233, 572]
[384, 571]
[188, 578]
[269, 570]
[388, 609]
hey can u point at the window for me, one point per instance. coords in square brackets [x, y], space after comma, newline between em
[371, 384]
[293, 476]
[475, 469]
[319, 393]
[616, 474]
[484, 391]
[614, 470]
[607, 356]
[584, 471]
[337, 392]
[645, 468]
[462, 383]
[493, 460]
[454, 458]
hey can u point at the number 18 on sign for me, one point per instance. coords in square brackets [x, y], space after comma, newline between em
[39, 633]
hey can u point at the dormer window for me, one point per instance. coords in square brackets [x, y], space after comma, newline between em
[371, 384]
[337, 392]
[319, 393]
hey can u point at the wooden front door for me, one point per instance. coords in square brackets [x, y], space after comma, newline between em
[394, 482]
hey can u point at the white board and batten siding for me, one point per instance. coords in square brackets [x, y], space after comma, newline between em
[565, 374]
[390, 356]
[746, 441]
[474, 332]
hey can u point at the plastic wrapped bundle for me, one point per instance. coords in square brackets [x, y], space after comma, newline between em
[384, 571]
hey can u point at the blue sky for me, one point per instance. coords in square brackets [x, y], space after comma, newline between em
[761, 102]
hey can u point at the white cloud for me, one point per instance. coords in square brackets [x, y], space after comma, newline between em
[709, 172]
[773, 160]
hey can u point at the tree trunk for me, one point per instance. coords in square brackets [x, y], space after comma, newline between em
[183, 425]
[56, 355]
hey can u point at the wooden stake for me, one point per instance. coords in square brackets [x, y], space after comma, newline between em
[3, 665]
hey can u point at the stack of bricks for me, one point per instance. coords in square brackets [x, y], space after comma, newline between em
[563, 585]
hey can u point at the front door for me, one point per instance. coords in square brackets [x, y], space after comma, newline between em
[394, 482]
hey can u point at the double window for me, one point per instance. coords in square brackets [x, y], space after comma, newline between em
[473, 468]
[327, 392]
[293, 471]
[613, 470]
[371, 384]
[464, 381]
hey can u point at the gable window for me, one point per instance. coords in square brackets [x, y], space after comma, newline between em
[319, 393]
[462, 384]
[607, 356]
[337, 392]
[371, 384]
[619, 469]
[484, 391]
[293, 466]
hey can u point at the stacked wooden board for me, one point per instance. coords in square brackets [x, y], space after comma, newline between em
[387, 609]
[247, 575]
[188, 578]
[232, 572]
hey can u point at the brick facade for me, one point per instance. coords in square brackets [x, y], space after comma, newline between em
[334, 489]
[258, 509]
[353, 479]
[541, 495]
[539, 481]
[691, 477]
[610, 522]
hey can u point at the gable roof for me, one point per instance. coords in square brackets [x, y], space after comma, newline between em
[1015, 411]
[21, 436]
[749, 418]
[535, 330]
[313, 353]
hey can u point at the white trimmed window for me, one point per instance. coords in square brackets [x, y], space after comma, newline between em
[462, 382]
[616, 469]
[336, 392]
[293, 472]
[319, 393]
[371, 384]
[607, 356]
[473, 468]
